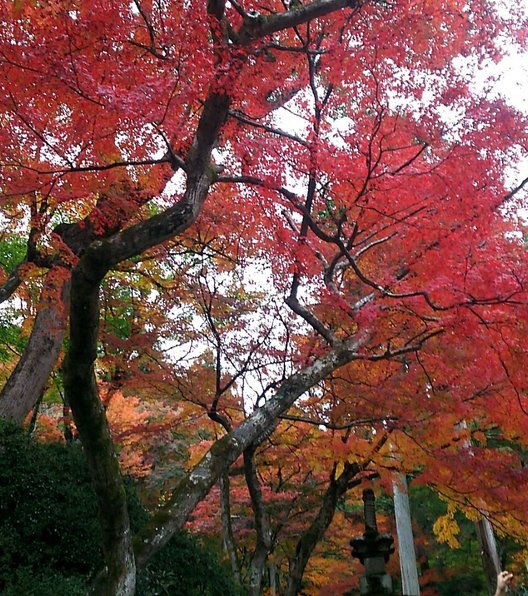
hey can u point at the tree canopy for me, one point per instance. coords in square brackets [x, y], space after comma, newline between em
[212, 210]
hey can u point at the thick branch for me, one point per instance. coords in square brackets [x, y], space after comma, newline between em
[10, 285]
[332, 426]
[226, 450]
[135, 240]
[256, 26]
[515, 190]
[174, 160]
[267, 128]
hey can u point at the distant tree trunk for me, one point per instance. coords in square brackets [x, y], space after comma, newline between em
[27, 382]
[273, 579]
[409, 572]
[311, 537]
[34, 416]
[229, 539]
[490, 555]
[262, 526]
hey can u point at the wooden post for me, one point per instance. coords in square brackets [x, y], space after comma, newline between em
[408, 569]
[490, 554]
[486, 538]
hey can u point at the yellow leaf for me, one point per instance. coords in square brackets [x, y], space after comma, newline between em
[339, 468]
[446, 528]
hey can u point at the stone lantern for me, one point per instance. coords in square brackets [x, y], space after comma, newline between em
[373, 550]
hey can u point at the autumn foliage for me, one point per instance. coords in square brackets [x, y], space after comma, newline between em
[271, 247]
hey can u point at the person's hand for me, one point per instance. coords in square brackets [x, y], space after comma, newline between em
[503, 581]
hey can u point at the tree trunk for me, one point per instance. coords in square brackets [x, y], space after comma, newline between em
[229, 539]
[81, 391]
[311, 537]
[486, 538]
[257, 569]
[28, 381]
[273, 581]
[119, 576]
[262, 526]
[402, 511]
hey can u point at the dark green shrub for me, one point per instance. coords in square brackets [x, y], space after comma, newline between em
[186, 568]
[48, 511]
[28, 583]
[50, 537]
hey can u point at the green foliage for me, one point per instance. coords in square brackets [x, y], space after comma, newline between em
[26, 582]
[48, 513]
[50, 536]
[12, 252]
[187, 568]
[460, 569]
[120, 314]
[11, 339]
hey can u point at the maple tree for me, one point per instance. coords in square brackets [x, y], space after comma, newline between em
[134, 133]
[283, 500]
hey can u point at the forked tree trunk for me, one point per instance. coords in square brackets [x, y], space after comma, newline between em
[262, 526]
[81, 391]
[28, 381]
[312, 536]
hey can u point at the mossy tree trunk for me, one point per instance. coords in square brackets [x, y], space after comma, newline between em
[252, 431]
[119, 576]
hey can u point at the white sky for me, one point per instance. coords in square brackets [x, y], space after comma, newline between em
[513, 82]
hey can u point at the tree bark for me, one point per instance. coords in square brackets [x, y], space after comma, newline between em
[81, 390]
[119, 576]
[262, 526]
[10, 285]
[195, 486]
[80, 386]
[28, 381]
